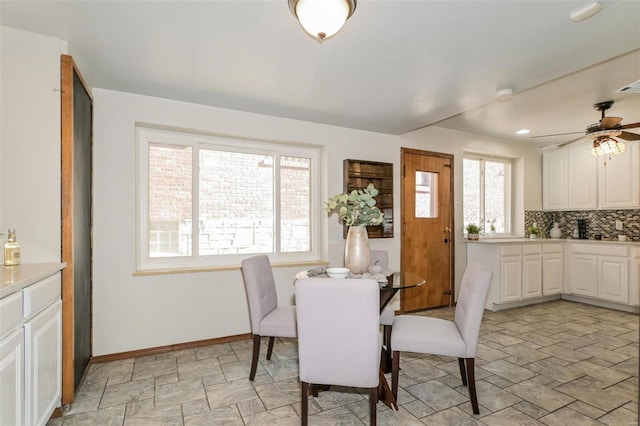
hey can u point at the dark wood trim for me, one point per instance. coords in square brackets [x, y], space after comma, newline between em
[169, 348]
[58, 412]
[66, 134]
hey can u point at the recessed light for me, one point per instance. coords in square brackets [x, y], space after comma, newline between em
[586, 12]
[523, 131]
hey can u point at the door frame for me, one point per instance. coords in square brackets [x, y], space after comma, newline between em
[451, 157]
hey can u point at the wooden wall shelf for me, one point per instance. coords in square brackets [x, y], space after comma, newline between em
[357, 175]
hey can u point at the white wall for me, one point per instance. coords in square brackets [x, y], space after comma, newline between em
[30, 143]
[140, 312]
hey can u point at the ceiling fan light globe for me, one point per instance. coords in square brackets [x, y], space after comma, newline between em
[322, 19]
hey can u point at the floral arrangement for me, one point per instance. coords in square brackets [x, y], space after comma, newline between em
[357, 207]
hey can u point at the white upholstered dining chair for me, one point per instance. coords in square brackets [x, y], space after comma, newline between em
[267, 318]
[458, 338]
[338, 336]
[381, 258]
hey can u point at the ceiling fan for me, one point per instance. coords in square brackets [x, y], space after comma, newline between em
[603, 133]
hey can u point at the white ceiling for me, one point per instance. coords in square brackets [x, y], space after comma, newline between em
[395, 67]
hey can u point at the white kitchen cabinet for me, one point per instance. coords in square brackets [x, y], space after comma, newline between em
[510, 278]
[30, 343]
[555, 189]
[531, 271]
[613, 279]
[634, 278]
[552, 268]
[12, 378]
[619, 179]
[582, 177]
[583, 273]
[43, 362]
[600, 271]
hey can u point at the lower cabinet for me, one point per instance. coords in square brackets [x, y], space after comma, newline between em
[600, 271]
[12, 378]
[43, 362]
[552, 268]
[31, 352]
[531, 270]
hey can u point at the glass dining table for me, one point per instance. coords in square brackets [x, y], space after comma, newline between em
[395, 281]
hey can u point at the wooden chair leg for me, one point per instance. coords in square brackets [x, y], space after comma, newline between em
[254, 359]
[463, 372]
[270, 348]
[304, 404]
[395, 368]
[471, 379]
[387, 338]
[373, 403]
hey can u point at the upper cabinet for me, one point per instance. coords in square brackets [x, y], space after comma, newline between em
[573, 179]
[619, 180]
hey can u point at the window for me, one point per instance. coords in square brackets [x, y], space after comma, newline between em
[212, 201]
[487, 193]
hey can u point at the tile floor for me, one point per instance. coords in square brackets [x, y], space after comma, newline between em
[557, 363]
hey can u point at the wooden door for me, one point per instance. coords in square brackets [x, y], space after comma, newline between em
[77, 125]
[427, 227]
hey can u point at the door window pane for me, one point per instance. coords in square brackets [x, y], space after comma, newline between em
[426, 194]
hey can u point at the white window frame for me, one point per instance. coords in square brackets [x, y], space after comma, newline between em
[146, 134]
[508, 195]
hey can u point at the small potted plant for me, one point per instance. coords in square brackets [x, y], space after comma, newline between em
[473, 232]
[533, 232]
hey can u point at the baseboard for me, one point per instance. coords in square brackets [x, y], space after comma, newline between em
[602, 303]
[168, 348]
[525, 302]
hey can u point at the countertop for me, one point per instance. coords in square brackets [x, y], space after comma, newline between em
[522, 240]
[15, 278]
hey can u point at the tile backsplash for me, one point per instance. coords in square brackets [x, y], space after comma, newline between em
[599, 222]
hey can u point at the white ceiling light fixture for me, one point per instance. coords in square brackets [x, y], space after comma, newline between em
[523, 132]
[322, 19]
[586, 12]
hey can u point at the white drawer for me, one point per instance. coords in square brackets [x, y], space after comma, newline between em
[532, 249]
[510, 249]
[601, 249]
[41, 294]
[552, 248]
[10, 312]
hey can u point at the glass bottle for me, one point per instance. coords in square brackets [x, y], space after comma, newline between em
[12, 250]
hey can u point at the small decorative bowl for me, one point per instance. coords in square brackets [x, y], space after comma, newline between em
[338, 272]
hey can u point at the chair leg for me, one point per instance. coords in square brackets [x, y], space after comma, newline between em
[472, 385]
[387, 338]
[254, 359]
[304, 404]
[373, 402]
[270, 348]
[395, 368]
[463, 371]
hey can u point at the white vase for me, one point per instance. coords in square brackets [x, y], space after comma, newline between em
[555, 232]
[357, 255]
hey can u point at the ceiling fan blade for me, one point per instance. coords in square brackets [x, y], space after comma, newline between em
[610, 122]
[569, 142]
[555, 134]
[628, 136]
[630, 126]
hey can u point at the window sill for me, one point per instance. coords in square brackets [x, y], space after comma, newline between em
[171, 271]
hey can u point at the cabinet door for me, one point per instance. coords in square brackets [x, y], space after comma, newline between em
[555, 192]
[552, 270]
[583, 172]
[12, 378]
[613, 279]
[43, 364]
[583, 275]
[634, 282]
[619, 179]
[511, 278]
[531, 276]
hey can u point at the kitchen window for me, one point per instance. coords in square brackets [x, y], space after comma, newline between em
[487, 193]
[207, 201]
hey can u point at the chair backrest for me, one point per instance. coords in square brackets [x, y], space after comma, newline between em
[338, 331]
[470, 307]
[380, 257]
[260, 287]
